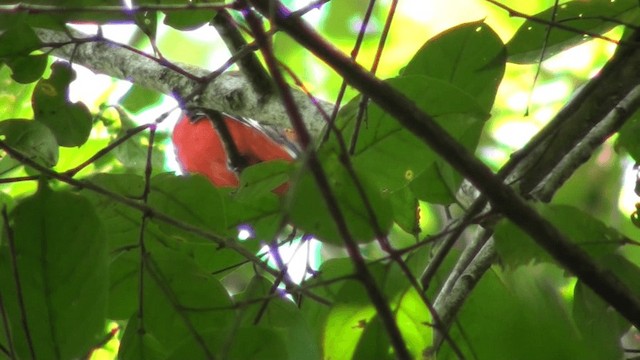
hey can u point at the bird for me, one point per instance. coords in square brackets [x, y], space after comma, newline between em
[201, 150]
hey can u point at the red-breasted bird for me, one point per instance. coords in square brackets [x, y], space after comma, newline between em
[200, 149]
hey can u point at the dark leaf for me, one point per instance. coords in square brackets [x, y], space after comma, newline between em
[70, 123]
[27, 69]
[32, 139]
[310, 212]
[597, 239]
[470, 56]
[60, 254]
[594, 16]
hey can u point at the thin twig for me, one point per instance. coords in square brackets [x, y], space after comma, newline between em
[16, 277]
[152, 214]
[608, 286]
[377, 299]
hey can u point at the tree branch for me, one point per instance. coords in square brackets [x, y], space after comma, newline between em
[471, 264]
[503, 198]
[229, 92]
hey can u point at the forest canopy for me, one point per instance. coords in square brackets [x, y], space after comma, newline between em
[347, 179]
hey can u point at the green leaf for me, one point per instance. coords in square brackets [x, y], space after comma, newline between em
[597, 322]
[32, 139]
[438, 184]
[14, 97]
[310, 212]
[122, 223]
[27, 69]
[133, 153]
[262, 178]
[517, 307]
[60, 255]
[580, 16]
[592, 235]
[148, 23]
[628, 138]
[343, 20]
[346, 323]
[470, 56]
[18, 40]
[415, 323]
[124, 282]
[405, 210]
[139, 98]
[413, 319]
[326, 286]
[188, 19]
[70, 123]
[391, 155]
[181, 301]
[374, 343]
[351, 325]
[192, 200]
[57, 19]
[246, 343]
[278, 314]
[137, 344]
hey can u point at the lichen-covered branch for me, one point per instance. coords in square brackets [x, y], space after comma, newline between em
[228, 92]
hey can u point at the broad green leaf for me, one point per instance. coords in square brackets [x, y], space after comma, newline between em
[374, 343]
[28, 68]
[139, 98]
[180, 300]
[328, 288]
[517, 307]
[597, 322]
[70, 123]
[414, 321]
[352, 313]
[406, 212]
[343, 19]
[310, 212]
[188, 19]
[191, 199]
[391, 155]
[60, 254]
[147, 22]
[628, 138]
[137, 344]
[278, 314]
[438, 184]
[245, 343]
[14, 97]
[124, 282]
[262, 178]
[134, 153]
[55, 20]
[578, 16]
[32, 139]
[470, 56]
[345, 325]
[18, 40]
[592, 235]
[122, 223]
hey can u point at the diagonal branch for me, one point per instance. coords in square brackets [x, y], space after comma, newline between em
[617, 80]
[229, 92]
[502, 197]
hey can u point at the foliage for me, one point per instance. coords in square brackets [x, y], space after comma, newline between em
[106, 252]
